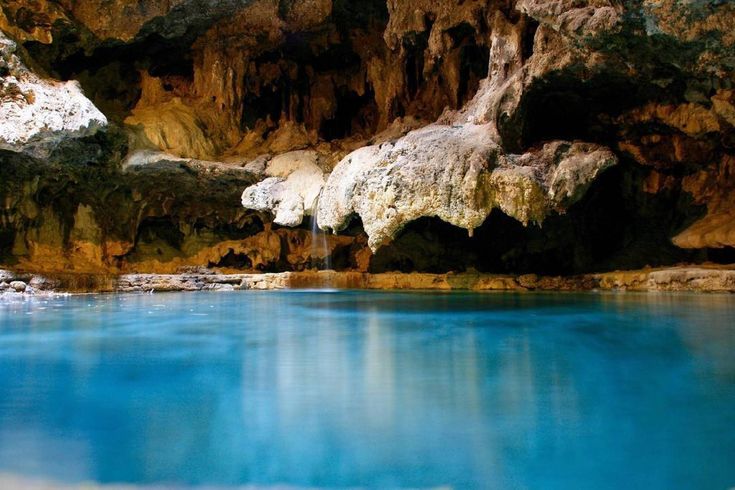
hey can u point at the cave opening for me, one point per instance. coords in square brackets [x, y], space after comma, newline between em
[415, 46]
[563, 107]
[354, 113]
[474, 61]
[724, 255]
[529, 35]
[155, 229]
[616, 226]
[109, 74]
[248, 226]
[7, 239]
[365, 14]
[233, 260]
[474, 66]
[268, 104]
[298, 71]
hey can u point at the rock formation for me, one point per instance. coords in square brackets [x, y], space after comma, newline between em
[513, 136]
[39, 113]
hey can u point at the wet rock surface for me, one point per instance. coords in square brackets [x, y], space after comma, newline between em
[679, 279]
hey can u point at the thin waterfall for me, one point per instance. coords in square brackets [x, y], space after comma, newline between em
[319, 244]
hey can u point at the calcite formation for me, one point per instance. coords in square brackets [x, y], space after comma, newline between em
[457, 174]
[37, 113]
[291, 189]
[540, 136]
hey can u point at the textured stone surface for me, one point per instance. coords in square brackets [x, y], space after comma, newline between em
[680, 279]
[291, 189]
[458, 174]
[496, 117]
[716, 190]
[36, 114]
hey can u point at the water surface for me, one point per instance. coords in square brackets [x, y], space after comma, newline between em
[371, 389]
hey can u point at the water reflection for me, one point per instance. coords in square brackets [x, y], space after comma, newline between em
[371, 389]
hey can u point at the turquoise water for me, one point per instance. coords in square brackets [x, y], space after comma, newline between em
[327, 389]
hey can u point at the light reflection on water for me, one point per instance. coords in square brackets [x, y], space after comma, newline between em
[371, 389]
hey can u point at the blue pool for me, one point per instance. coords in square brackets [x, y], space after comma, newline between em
[370, 389]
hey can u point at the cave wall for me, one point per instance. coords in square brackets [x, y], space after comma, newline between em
[563, 136]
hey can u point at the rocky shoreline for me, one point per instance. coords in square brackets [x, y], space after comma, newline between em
[683, 278]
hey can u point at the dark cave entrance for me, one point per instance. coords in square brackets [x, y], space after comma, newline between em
[152, 230]
[616, 226]
[232, 260]
[724, 255]
[7, 239]
[415, 45]
[354, 113]
[474, 61]
[565, 107]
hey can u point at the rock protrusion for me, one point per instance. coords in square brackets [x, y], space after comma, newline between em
[37, 114]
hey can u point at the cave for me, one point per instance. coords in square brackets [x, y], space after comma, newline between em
[367, 244]
[559, 108]
[354, 113]
[152, 230]
[474, 61]
[233, 260]
[724, 255]
[7, 239]
[200, 112]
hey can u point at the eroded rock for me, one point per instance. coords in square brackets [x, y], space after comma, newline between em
[291, 189]
[452, 110]
[457, 174]
[37, 114]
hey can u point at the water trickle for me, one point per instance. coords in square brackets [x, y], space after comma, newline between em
[319, 244]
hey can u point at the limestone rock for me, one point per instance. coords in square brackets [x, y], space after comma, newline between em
[433, 171]
[173, 127]
[458, 174]
[290, 192]
[36, 114]
[714, 188]
[586, 17]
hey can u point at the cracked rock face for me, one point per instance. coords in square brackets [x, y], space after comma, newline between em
[36, 114]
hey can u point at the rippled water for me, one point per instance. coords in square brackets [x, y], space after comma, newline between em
[371, 389]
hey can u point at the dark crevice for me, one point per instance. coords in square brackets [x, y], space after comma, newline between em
[616, 226]
[151, 230]
[354, 112]
[563, 108]
[415, 45]
[474, 65]
[233, 260]
[529, 34]
[7, 239]
[109, 74]
[724, 255]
